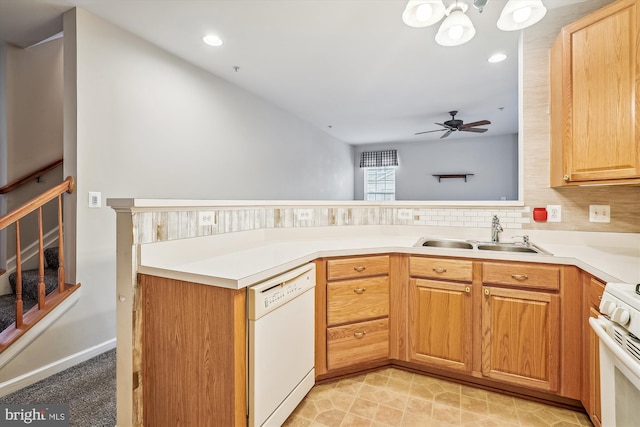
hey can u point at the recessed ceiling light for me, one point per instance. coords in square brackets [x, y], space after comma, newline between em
[212, 40]
[498, 57]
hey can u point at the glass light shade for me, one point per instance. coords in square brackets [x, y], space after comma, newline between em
[457, 29]
[422, 13]
[519, 14]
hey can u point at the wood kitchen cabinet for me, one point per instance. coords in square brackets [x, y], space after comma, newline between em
[354, 300]
[440, 312]
[595, 98]
[521, 324]
[591, 379]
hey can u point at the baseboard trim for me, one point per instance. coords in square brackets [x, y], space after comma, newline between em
[45, 371]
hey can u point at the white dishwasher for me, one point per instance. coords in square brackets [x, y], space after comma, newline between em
[280, 345]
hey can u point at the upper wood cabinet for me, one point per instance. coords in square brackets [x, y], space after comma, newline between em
[595, 99]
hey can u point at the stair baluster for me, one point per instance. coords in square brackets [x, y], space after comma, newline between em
[41, 291]
[18, 278]
[60, 247]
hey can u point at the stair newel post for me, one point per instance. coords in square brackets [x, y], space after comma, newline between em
[60, 247]
[41, 292]
[18, 278]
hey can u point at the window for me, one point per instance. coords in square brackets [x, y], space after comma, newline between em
[379, 174]
[380, 183]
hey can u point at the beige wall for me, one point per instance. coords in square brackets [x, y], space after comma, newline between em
[575, 201]
[34, 130]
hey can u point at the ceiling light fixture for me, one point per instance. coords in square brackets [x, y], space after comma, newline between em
[519, 14]
[497, 57]
[212, 40]
[457, 27]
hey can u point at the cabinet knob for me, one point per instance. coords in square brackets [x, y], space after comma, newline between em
[359, 290]
[468, 289]
[439, 270]
[520, 276]
[359, 334]
[486, 292]
[360, 268]
[566, 178]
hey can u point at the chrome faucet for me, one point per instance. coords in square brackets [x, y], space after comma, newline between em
[495, 229]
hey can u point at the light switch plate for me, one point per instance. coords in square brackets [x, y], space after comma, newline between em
[95, 199]
[554, 213]
[599, 213]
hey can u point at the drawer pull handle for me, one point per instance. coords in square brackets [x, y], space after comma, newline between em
[439, 270]
[520, 276]
[360, 334]
[468, 289]
[359, 290]
[360, 268]
[486, 292]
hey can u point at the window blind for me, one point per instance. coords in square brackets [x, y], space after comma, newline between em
[378, 159]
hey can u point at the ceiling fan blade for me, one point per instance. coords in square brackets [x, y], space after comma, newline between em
[429, 131]
[476, 130]
[480, 123]
[446, 134]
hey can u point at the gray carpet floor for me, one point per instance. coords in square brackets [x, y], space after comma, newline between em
[88, 388]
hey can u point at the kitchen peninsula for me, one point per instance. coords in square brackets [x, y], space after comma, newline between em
[182, 247]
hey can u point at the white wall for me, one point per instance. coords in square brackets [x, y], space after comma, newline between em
[492, 159]
[142, 123]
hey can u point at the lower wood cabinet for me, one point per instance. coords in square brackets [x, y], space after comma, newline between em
[521, 337]
[591, 359]
[440, 324]
[352, 311]
[357, 343]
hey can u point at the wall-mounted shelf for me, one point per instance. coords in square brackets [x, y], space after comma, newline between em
[452, 175]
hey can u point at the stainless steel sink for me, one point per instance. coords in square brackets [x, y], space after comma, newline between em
[442, 243]
[518, 247]
[508, 247]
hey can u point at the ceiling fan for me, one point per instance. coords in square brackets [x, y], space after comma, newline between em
[457, 125]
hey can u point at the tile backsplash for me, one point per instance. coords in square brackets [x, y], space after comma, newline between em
[163, 225]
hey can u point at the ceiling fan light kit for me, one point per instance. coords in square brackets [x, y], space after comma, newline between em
[457, 27]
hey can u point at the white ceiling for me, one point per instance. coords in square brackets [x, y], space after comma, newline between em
[349, 67]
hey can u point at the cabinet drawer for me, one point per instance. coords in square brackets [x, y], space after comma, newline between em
[437, 268]
[521, 274]
[360, 342]
[347, 268]
[356, 300]
[596, 289]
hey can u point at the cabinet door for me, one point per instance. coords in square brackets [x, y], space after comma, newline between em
[601, 78]
[594, 406]
[440, 324]
[521, 334]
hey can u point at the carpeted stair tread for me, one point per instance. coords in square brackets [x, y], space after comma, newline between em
[30, 280]
[8, 309]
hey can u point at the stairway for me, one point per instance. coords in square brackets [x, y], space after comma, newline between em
[29, 288]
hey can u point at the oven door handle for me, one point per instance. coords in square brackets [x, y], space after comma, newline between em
[599, 327]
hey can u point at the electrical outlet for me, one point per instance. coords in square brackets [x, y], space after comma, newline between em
[205, 218]
[405, 213]
[95, 199]
[304, 214]
[599, 213]
[554, 213]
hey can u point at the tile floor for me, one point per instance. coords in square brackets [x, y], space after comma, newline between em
[393, 397]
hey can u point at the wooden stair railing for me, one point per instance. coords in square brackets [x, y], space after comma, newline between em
[35, 174]
[45, 302]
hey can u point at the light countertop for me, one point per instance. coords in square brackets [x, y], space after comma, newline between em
[238, 260]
